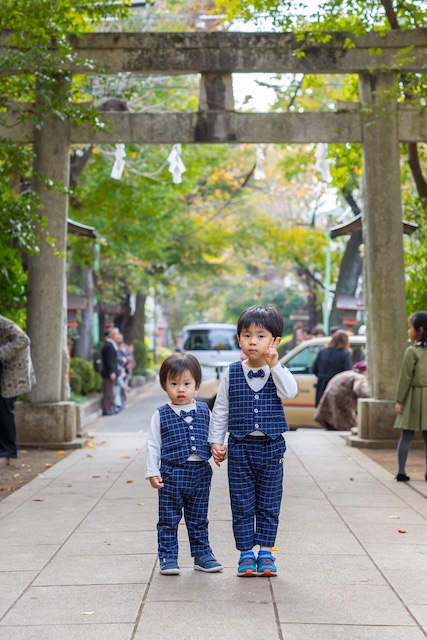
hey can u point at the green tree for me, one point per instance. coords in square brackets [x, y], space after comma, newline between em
[29, 60]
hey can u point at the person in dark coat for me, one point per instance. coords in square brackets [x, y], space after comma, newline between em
[109, 370]
[335, 358]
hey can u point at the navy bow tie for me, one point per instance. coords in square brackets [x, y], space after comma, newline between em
[256, 374]
[188, 414]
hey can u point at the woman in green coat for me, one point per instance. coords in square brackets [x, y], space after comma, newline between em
[411, 397]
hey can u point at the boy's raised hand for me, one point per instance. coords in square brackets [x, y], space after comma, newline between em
[271, 356]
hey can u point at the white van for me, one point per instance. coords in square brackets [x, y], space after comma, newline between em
[212, 343]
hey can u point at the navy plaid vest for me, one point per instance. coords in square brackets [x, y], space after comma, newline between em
[181, 439]
[254, 410]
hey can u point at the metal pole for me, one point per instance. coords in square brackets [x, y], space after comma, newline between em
[327, 283]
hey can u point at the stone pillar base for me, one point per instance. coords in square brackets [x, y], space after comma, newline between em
[375, 420]
[50, 425]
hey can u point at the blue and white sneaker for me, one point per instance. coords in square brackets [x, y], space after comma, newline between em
[247, 567]
[169, 567]
[266, 567]
[207, 563]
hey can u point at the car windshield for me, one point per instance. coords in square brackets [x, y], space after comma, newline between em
[302, 362]
[211, 340]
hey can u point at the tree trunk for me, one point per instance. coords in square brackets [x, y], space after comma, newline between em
[138, 326]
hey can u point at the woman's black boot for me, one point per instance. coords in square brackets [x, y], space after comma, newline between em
[402, 477]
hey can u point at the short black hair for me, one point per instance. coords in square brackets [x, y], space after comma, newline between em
[268, 318]
[419, 321]
[176, 364]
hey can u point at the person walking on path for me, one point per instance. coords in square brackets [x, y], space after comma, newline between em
[109, 370]
[177, 465]
[337, 408]
[411, 396]
[333, 359]
[16, 377]
[249, 406]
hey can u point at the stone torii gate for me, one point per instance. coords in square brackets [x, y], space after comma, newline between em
[378, 123]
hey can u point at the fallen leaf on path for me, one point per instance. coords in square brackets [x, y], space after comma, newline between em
[125, 457]
[88, 613]
[401, 531]
[38, 500]
[61, 453]
[11, 489]
[47, 464]
[129, 481]
[91, 446]
[141, 504]
[395, 517]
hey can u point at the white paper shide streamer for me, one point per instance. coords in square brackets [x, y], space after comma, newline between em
[119, 162]
[176, 165]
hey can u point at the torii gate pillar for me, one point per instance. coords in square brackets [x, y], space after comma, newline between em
[384, 265]
[45, 418]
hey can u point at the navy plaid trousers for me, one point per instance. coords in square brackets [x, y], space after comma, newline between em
[186, 489]
[255, 477]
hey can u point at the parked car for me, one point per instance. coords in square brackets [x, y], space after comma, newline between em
[213, 344]
[299, 410]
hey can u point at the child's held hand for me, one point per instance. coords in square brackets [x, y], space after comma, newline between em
[399, 408]
[218, 453]
[271, 356]
[156, 482]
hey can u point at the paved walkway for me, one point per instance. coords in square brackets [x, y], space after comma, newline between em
[78, 552]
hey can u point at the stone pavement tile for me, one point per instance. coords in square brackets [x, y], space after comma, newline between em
[25, 557]
[84, 605]
[322, 570]
[121, 515]
[203, 621]
[97, 570]
[349, 632]
[306, 542]
[331, 488]
[218, 589]
[358, 604]
[407, 574]
[110, 543]
[68, 632]
[388, 532]
[366, 500]
[95, 489]
[419, 611]
[127, 487]
[12, 584]
[381, 515]
[322, 516]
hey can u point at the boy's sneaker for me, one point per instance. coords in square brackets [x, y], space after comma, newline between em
[247, 567]
[169, 567]
[207, 563]
[266, 566]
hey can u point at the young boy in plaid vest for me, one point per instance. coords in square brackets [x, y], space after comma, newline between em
[177, 465]
[249, 406]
